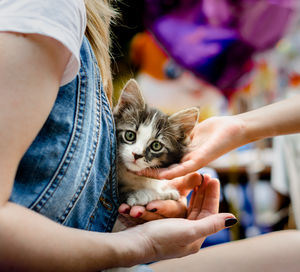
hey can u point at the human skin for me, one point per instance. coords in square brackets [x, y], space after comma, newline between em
[216, 136]
[276, 252]
[31, 68]
[158, 209]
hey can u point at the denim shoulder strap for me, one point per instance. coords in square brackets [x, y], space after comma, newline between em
[68, 174]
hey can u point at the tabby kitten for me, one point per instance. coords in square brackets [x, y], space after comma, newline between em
[148, 138]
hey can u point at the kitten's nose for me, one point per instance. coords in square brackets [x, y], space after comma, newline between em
[137, 156]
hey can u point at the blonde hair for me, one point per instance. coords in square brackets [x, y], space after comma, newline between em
[99, 15]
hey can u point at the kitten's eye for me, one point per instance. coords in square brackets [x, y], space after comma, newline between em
[156, 146]
[130, 136]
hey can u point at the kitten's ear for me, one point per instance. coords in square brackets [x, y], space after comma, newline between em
[187, 118]
[130, 95]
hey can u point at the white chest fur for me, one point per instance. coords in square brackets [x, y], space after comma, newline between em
[142, 190]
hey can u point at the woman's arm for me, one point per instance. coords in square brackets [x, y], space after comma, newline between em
[275, 119]
[218, 135]
[276, 252]
[31, 68]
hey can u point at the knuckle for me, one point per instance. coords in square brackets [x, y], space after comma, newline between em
[195, 248]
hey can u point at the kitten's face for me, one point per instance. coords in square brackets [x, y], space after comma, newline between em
[147, 139]
[146, 136]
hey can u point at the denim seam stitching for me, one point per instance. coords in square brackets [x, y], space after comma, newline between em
[68, 156]
[111, 220]
[109, 118]
[114, 187]
[102, 101]
[92, 156]
[93, 213]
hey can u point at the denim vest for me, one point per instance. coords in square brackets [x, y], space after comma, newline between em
[68, 174]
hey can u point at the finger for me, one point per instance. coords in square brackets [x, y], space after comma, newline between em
[124, 209]
[212, 224]
[149, 172]
[133, 219]
[150, 216]
[137, 211]
[194, 154]
[196, 204]
[168, 208]
[202, 156]
[206, 199]
[187, 183]
[178, 170]
[190, 207]
[140, 212]
[211, 200]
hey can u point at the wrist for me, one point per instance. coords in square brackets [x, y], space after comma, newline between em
[129, 248]
[107, 250]
[250, 128]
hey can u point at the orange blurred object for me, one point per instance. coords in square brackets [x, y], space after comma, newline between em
[148, 56]
[295, 80]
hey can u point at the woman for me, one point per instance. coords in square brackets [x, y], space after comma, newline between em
[57, 161]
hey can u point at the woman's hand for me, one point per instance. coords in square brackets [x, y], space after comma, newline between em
[170, 238]
[209, 140]
[159, 209]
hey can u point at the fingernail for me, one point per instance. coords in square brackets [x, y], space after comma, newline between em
[126, 211]
[230, 222]
[153, 210]
[202, 177]
[138, 215]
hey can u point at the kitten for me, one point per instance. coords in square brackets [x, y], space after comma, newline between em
[148, 138]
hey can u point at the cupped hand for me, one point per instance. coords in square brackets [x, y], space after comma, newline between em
[159, 209]
[210, 139]
[177, 237]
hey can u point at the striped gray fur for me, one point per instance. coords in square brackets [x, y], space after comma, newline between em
[148, 138]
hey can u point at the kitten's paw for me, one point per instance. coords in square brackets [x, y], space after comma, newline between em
[143, 197]
[172, 194]
[140, 198]
[132, 201]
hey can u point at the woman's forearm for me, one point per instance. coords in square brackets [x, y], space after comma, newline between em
[31, 242]
[275, 119]
[276, 252]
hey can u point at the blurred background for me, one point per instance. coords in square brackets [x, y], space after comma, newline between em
[227, 57]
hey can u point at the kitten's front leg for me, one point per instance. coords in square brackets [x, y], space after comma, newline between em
[155, 190]
[169, 192]
[141, 197]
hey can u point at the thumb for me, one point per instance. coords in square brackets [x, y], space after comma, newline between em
[187, 183]
[213, 223]
[178, 170]
[149, 172]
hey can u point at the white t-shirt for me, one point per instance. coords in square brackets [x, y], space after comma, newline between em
[63, 20]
